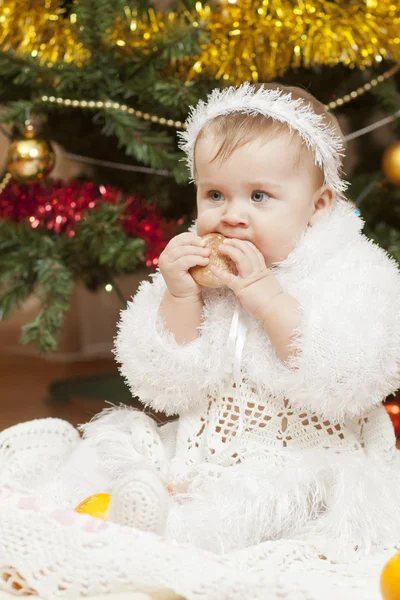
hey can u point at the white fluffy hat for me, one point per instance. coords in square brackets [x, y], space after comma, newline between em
[279, 105]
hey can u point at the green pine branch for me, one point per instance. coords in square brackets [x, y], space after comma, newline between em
[388, 95]
[95, 18]
[15, 287]
[126, 8]
[21, 71]
[178, 41]
[100, 246]
[16, 112]
[152, 148]
[171, 94]
[35, 261]
[20, 248]
[53, 288]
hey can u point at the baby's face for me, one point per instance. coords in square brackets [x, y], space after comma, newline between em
[260, 194]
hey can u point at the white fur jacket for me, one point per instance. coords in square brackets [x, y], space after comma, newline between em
[348, 341]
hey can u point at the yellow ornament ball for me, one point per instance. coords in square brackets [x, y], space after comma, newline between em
[390, 579]
[30, 160]
[95, 506]
[391, 163]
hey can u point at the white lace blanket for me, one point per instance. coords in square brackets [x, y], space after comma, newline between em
[57, 553]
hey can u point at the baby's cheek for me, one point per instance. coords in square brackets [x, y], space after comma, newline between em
[200, 229]
[265, 247]
[205, 224]
[277, 247]
[199, 224]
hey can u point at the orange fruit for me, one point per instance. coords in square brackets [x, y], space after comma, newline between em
[95, 506]
[390, 579]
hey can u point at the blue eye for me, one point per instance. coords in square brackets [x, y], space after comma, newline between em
[258, 196]
[216, 195]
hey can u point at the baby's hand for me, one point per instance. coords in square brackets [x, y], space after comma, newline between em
[255, 285]
[181, 254]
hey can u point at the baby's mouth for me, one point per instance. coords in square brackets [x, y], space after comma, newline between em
[233, 236]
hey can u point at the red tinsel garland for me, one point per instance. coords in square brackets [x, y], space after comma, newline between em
[393, 409]
[59, 207]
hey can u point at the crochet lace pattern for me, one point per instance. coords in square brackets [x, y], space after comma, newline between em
[56, 553]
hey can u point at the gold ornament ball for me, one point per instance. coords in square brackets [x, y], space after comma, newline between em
[30, 160]
[391, 163]
[390, 579]
[95, 506]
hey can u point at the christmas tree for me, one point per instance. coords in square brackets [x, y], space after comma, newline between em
[111, 81]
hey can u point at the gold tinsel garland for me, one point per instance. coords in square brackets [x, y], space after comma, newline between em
[40, 29]
[243, 40]
[261, 40]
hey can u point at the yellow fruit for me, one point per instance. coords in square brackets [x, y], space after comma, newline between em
[95, 506]
[390, 579]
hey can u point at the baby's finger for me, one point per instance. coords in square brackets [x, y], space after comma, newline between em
[258, 256]
[180, 251]
[187, 262]
[186, 239]
[226, 278]
[243, 263]
[248, 248]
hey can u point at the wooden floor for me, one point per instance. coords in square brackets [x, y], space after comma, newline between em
[24, 383]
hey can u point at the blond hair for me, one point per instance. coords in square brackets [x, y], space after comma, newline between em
[236, 129]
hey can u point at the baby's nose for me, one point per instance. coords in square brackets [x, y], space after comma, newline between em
[236, 215]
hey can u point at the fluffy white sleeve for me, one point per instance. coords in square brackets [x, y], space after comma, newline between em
[348, 344]
[165, 375]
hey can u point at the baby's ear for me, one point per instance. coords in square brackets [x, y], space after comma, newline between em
[322, 203]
